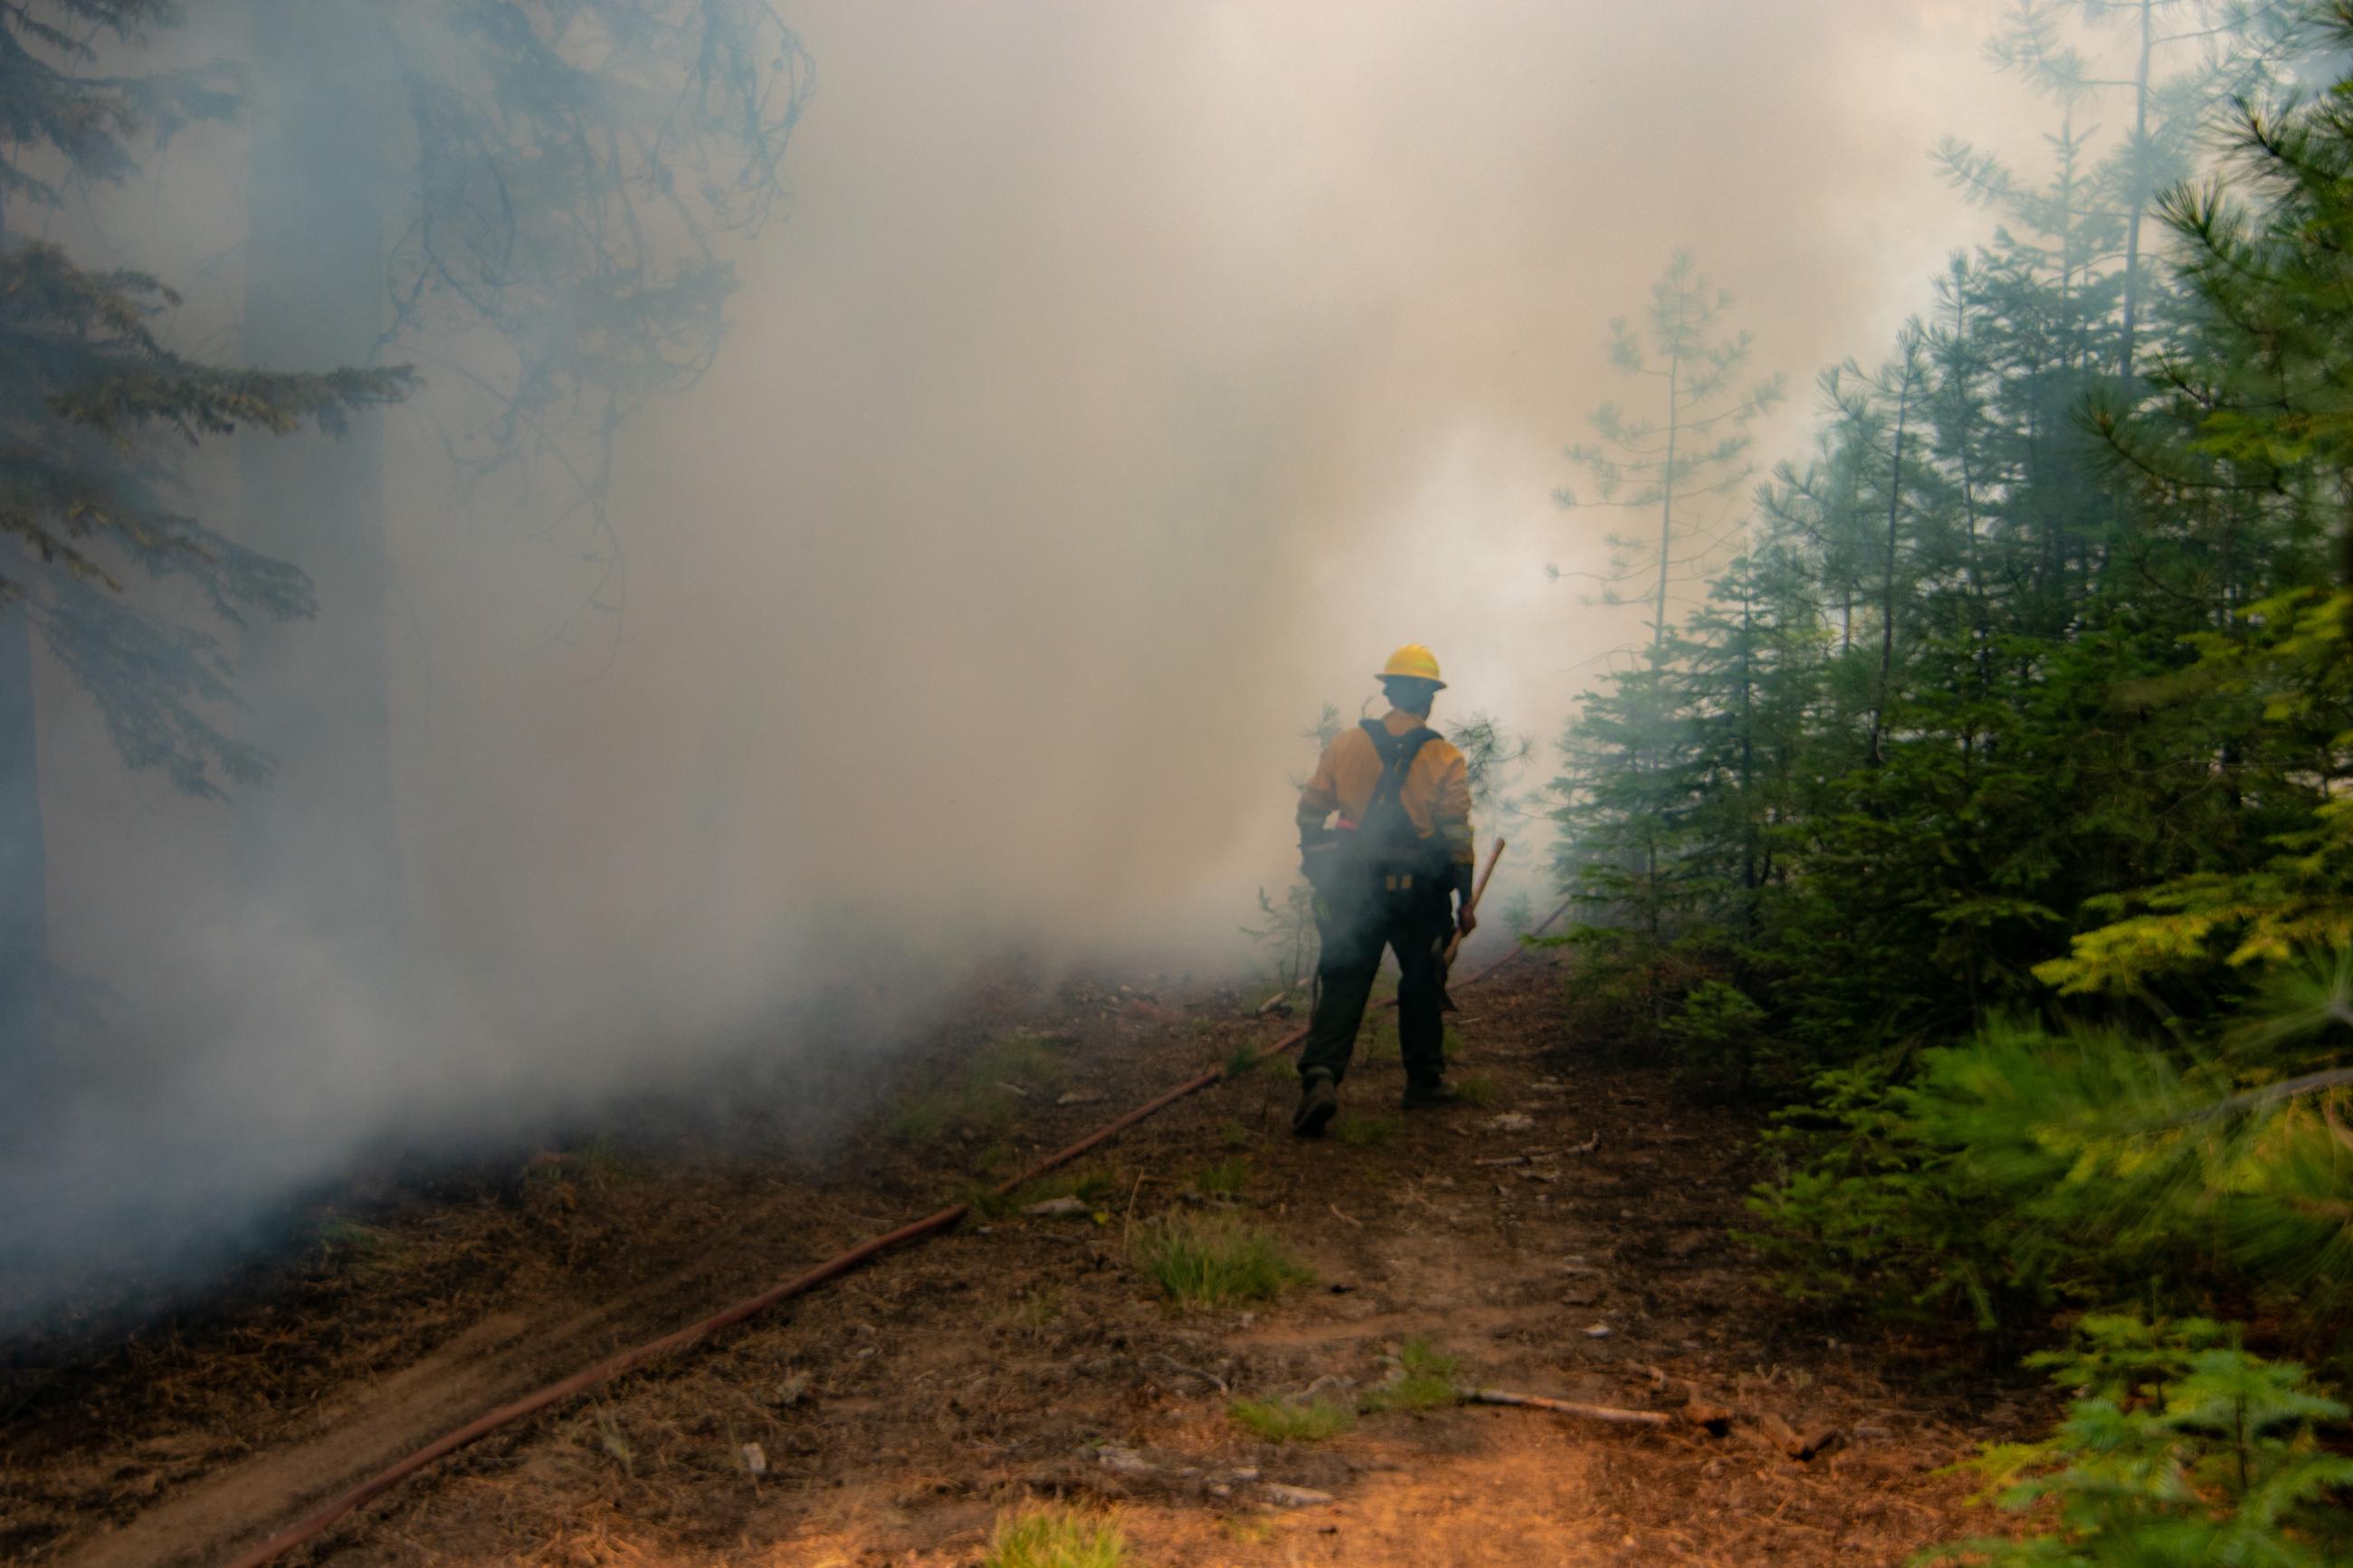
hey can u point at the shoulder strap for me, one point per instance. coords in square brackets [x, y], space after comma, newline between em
[1396, 754]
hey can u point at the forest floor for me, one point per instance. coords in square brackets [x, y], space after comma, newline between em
[898, 1414]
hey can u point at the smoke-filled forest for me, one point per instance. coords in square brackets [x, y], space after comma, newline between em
[1046, 787]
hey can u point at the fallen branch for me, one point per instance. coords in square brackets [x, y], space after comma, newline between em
[1529, 1158]
[1609, 1413]
[1172, 1364]
[1786, 1437]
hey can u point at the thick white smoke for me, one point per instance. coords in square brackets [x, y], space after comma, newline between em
[1124, 383]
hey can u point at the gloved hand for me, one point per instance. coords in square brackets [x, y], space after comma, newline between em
[1315, 855]
[1461, 879]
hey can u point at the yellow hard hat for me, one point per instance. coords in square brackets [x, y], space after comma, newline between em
[1414, 662]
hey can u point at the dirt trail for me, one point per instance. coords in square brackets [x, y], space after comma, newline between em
[897, 1413]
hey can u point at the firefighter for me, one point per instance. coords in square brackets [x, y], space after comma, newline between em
[1394, 872]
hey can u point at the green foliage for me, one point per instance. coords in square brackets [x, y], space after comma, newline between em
[1212, 1260]
[1055, 1538]
[1229, 1175]
[93, 405]
[1717, 1036]
[1995, 803]
[1476, 1088]
[2029, 674]
[1366, 1131]
[2288, 658]
[985, 1093]
[66, 116]
[2032, 1166]
[2180, 1449]
[1289, 1421]
[1287, 936]
[1424, 1379]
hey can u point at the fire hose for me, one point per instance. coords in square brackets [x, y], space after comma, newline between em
[613, 1367]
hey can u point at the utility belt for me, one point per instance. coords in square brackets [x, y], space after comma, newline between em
[1343, 871]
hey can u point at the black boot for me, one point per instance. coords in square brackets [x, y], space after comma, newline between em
[1432, 1095]
[1319, 1101]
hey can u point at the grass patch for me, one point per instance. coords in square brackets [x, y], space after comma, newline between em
[987, 1094]
[1092, 1186]
[1366, 1131]
[1424, 1380]
[1212, 1260]
[1055, 1538]
[1475, 1089]
[1287, 1421]
[368, 1249]
[1234, 1135]
[1229, 1175]
[1420, 1358]
[1022, 1058]
[1248, 1060]
[601, 1163]
[987, 1203]
[919, 1118]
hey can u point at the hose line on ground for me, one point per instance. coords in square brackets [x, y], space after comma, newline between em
[613, 1367]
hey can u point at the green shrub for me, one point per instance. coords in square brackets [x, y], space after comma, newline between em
[2033, 1166]
[1717, 1038]
[2180, 1449]
[1212, 1260]
[1288, 1421]
[1055, 1538]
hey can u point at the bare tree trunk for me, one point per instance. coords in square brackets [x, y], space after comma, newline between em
[1887, 572]
[23, 864]
[1667, 497]
[1749, 879]
[319, 842]
[23, 857]
[2140, 189]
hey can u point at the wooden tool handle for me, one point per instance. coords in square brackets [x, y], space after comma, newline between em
[1477, 891]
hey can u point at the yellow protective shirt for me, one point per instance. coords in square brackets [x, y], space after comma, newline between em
[1436, 792]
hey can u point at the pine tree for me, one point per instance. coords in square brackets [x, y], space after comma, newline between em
[93, 402]
[1690, 446]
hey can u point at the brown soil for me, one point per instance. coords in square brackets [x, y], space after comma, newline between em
[902, 1410]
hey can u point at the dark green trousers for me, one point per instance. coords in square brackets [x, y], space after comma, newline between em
[1354, 938]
